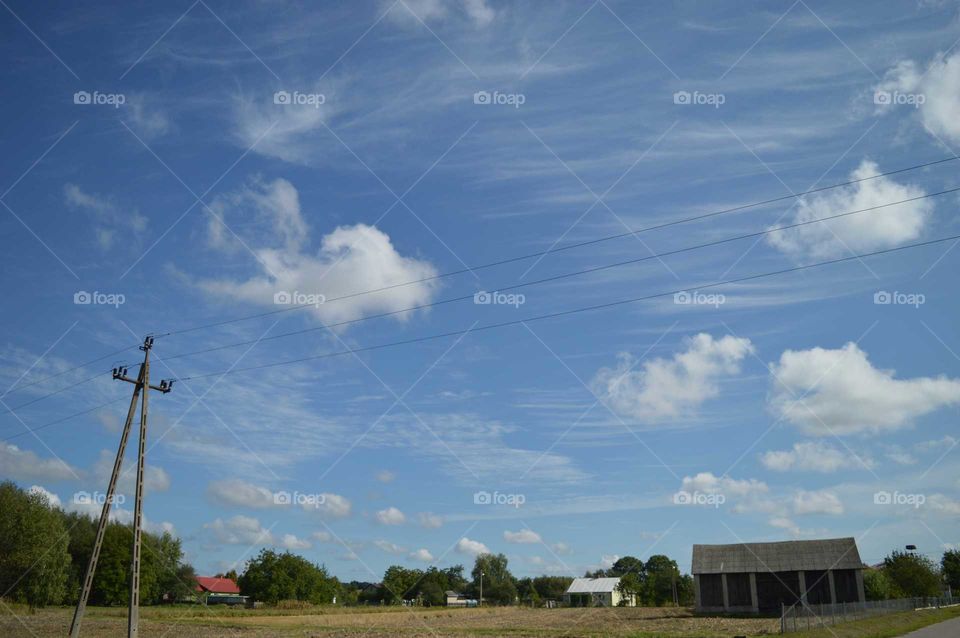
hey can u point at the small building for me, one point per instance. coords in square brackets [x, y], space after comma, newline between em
[760, 577]
[455, 599]
[596, 592]
[214, 590]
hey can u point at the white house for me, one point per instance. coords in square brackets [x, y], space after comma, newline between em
[596, 592]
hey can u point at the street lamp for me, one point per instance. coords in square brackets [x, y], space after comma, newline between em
[480, 602]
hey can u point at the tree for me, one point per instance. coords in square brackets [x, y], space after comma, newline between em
[498, 583]
[950, 566]
[551, 587]
[627, 565]
[272, 577]
[34, 561]
[877, 585]
[400, 583]
[632, 584]
[912, 574]
[662, 574]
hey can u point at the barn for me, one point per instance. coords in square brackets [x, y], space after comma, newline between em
[760, 577]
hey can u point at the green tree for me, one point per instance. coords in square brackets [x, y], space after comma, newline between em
[662, 574]
[627, 565]
[551, 587]
[272, 577]
[34, 561]
[498, 583]
[877, 585]
[633, 584]
[912, 574]
[950, 566]
[400, 583]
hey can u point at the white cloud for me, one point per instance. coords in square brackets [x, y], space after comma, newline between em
[390, 548]
[943, 503]
[839, 391]
[808, 457]
[471, 547]
[785, 523]
[863, 232]
[819, 502]
[385, 476]
[607, 560]
[707, 483]
[422, 555]
[939, 86]
[323, 537]
[109, 218]
[52, 498]
[478, 12]
[283, 131]
[240, 530]
[561, 549]
[291, 542]
[666, 388]
[391, 516]
[331, 506]
[351, 259]
[155, 478]
[429, 520]
[147, 118]
[24, 465]
[523, 536]
[240, 493]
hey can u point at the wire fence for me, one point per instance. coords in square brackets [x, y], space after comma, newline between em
[803, 616]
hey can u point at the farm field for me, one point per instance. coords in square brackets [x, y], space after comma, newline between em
[393, 623]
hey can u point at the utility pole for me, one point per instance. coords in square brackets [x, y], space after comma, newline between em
[480, 602]
[140, 385]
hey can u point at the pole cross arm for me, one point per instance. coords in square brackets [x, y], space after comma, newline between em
[165, 385]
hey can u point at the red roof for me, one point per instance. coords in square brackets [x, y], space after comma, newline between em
[216, 585]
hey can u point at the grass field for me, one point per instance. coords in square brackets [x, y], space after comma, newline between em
[180, 622]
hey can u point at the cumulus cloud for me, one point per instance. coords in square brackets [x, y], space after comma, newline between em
[350, 259]
[422, 555]
[864, 232]
[291, 542]
[665, 388]
[708, 483]
[840, 391]
[240, 493]
[390, 548]
[155, 478]
[109, 218]
[429, 520]
[939, 86]
[523, 536]
[24, 465]
[240, 530]
[331, 506]
[819, 502]
[809, 457]
[471, 547]
[391, 516]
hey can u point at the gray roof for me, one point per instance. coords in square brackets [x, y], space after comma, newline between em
[830, 553]
[592, 585]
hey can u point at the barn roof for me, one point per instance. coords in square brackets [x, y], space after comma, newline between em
[830, 553]
[216, 585]
[592, 585]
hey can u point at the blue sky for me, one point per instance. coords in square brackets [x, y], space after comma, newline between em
[189, 162]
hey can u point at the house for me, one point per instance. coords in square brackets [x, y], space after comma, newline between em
[596, 592]
[214, 590]
[760, 577]
[455, 599]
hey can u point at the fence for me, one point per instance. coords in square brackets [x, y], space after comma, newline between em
[803, 616]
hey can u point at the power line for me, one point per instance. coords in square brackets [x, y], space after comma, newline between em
[558, 277]
[573, 310]
[55, 392]
[17, 386]
[66, 418]
[543, 253]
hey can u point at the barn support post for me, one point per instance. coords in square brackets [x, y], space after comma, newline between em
[754, 597]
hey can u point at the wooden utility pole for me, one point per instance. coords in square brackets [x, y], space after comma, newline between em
[140, 385]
